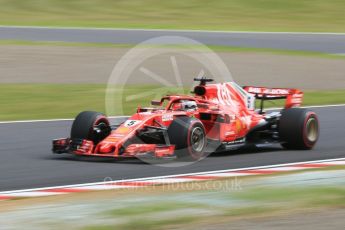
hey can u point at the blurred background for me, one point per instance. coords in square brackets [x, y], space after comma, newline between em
[251, 15]
[56, 57]
[54, 73]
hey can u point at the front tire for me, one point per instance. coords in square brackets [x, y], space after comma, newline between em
[90, 125]
[298, 128]
[189, 137]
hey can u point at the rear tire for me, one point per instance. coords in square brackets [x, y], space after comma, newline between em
[298, 129]
[85, 123]
[189, 137]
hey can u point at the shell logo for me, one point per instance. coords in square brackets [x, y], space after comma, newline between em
[238, 125]
[123, 130]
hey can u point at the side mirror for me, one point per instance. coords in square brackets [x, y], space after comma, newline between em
[156, 103]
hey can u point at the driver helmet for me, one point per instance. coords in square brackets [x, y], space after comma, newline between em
[188, 105]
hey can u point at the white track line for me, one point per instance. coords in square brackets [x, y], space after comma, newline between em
[311, 106]
[322, 106]
[148, 179]
[172, 30]
[71, 119]
[49, 120]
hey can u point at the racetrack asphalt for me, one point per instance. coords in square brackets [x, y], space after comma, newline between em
[26, 160]
[327, 43]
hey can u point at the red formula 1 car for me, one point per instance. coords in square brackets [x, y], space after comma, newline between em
[218, 117]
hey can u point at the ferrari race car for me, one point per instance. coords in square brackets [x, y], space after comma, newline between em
[218, 117]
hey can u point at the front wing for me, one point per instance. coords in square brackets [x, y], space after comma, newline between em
[86, 148]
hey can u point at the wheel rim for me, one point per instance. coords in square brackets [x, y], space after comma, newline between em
[97, 126]
[197, 139]
[312, 129]
[100, 124]
[98, 129]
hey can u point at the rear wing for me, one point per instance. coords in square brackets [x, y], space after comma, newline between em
[294, 97]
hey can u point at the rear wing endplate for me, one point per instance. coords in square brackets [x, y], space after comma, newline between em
[294, 97]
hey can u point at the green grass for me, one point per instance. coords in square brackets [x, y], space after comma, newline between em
[147, 224]
[46, 101]
[311, 196]
[259, 201]
[132, 211]
[275, 51]
[67, 44]
[41, 101]
[216, 48]
[256, 15]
